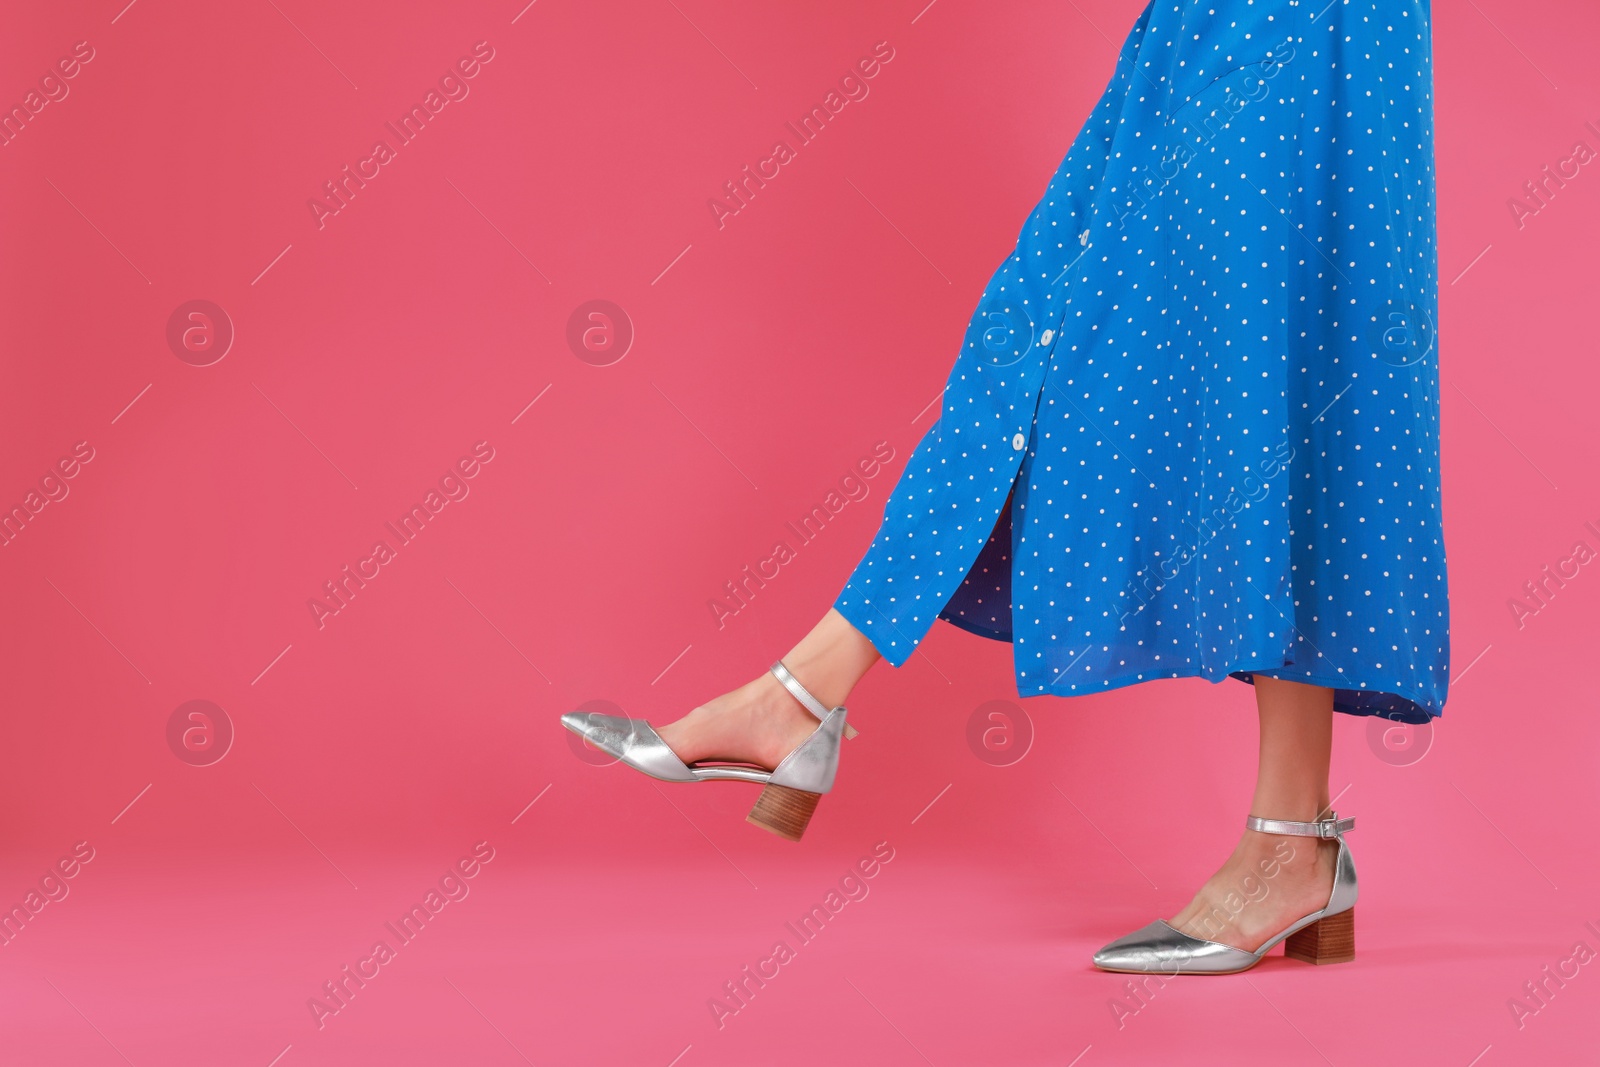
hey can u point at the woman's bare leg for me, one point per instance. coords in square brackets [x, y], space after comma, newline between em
[1271, 879]
[760, 722]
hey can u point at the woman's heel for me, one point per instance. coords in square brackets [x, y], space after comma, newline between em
[1330, 940]
[784, 811]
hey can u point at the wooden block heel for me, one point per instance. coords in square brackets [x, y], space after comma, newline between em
[784, 811]
[1330, 940]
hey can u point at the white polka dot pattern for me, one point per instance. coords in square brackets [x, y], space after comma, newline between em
[1215, 345]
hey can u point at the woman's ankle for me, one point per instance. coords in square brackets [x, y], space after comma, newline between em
[831, 659]
[1286, 857]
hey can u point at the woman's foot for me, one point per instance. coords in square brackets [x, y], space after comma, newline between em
[1273, 879]
[760, 722]
[1270, 881]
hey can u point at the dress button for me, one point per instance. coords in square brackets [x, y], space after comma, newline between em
[1046, 337]
[1018, 442]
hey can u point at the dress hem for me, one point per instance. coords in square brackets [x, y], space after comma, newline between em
[1415, 712]
[1412, 710]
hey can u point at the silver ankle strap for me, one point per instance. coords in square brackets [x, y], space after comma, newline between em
[1332, 826]
[803, 695]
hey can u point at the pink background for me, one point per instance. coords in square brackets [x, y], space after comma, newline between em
[374, 752]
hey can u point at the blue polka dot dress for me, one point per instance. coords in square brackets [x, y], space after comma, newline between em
[1192, 429]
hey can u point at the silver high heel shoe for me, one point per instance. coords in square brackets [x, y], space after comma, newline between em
[793, 787]
[1324, 936]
